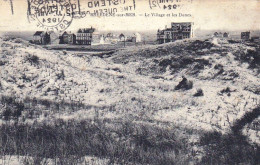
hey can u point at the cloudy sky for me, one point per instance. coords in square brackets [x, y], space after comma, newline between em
[206, 15]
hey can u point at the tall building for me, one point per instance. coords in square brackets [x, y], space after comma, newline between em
[67, 38]
[181, 30]
[84, 36]
[178, 31]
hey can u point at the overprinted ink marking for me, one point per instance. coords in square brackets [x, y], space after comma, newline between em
[51, 15]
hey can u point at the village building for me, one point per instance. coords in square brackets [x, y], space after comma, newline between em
[84, 36]
[178, 31]
[225, 35]
[55, 38]
[96, 37]
[67, 38]
[164, 36]
[102, 39]
[161, 37]
[111, 38]
[181, 30]
[122, 37]
[221, 35]
[41, 37]
[110, 35]
[137, 37]
[133, 39]
[255, 39]
[216, 34]
[130, 39]
[245, 35]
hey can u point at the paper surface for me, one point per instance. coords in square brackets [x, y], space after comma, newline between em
[130, 82]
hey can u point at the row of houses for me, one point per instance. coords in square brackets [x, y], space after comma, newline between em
[84, 36]
[87, 36]
[113, 38]
[177, 31]
[244, 35]
[220, 34]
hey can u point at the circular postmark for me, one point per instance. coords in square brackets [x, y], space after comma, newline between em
[51, 15]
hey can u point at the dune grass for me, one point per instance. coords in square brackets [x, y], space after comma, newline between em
[122, 142]
[233, 147]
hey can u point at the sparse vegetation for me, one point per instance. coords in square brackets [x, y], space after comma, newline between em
[218, 67]
[251, 56]
[122, 143]
[61, 75]
[227, 91]
[233, 147]
[33, 59]
[253, 88]
[32, 108]
[11, 108]
[246, 119]
[184, 84]
[18, 40]
[198, 45]
[116, 69]
[2, 63]
[228, 149]
[233, 41]
[199, 93]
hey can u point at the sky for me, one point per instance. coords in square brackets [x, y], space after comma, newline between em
[205, 14]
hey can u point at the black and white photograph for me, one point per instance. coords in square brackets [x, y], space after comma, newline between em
[129, 82]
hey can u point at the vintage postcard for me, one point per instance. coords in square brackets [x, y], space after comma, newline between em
[130, 82]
